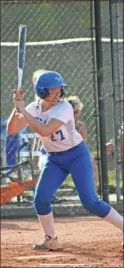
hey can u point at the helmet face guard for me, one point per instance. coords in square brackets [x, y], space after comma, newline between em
[48, 80]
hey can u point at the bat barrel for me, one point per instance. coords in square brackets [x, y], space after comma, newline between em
[21, 53]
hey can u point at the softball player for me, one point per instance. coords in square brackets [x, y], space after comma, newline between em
[53, 119]
[81, 127]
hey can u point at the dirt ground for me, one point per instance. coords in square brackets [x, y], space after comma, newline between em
[87, 241]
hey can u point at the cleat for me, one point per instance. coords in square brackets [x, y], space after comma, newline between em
[49, 244]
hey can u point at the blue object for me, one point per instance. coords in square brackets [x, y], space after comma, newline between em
[48, 80]
[3, 122]
[77, 162]
[12, 146]
[42, 150]
[13, 142]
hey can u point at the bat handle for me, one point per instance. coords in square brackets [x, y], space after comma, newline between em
[20, 75]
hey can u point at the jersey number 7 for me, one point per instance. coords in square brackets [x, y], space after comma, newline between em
[58, 132]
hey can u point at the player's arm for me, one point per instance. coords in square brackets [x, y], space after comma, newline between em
[43, 130]
[83, 131]
[15, 123]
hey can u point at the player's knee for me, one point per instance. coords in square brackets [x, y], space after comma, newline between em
[90, 205]
[97, 207]
[41, 206]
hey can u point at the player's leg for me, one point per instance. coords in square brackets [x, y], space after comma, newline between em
[82, 173]
[50, 180]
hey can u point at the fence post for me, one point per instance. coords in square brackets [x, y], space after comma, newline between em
[123, 106]
[101, 106]
[116, 88]
[97, 157]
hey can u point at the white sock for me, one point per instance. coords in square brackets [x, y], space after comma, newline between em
[115, 218]
[47, 223]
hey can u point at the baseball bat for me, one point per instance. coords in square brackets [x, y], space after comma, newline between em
[21, 54]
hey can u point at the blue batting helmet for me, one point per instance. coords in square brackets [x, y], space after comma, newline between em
[46, 81]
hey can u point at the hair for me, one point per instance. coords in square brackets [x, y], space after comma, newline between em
[37, 73]
[77, 105]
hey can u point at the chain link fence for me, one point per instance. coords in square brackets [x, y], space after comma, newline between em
[60, 37]
[113, 62]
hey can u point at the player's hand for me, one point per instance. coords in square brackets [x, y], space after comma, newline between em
[19, 105]
[18, 94]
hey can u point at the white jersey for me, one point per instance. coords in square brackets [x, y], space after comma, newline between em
[65, 137]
